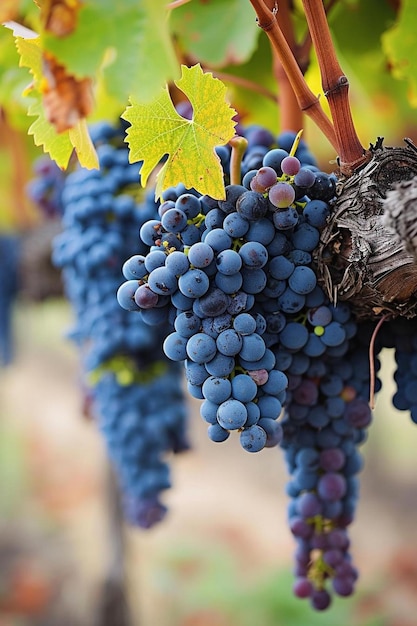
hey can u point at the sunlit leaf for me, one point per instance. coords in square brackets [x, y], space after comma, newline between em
[157, 130]
[67, 103]
[57, 145]
[84, 147]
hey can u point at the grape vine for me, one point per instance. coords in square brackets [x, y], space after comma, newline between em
[258, 277]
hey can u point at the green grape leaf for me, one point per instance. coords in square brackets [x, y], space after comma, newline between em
[83, 145]
[399, 44]
[217, 33]
[125, 36]
[59, 146]
[157, 130]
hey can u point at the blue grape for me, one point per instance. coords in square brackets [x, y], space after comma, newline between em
[253, 439]
[194, 283]
[217, 389]
[201, 348]
[217, 433]
[200, 255]
[232, 414]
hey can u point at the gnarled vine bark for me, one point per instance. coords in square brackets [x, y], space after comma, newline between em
[360, 258]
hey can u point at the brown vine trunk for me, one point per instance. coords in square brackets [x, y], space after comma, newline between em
[361, 259]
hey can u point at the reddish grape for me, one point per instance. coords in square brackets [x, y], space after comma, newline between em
[281, 195]
[290, 165]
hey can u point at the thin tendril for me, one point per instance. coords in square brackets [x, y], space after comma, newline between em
[372, 361]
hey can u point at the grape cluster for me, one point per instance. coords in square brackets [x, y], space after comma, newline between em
[10, 248]
[401, 335]
[228, 275]
[326, 420]
[122, 359]
[46, 186]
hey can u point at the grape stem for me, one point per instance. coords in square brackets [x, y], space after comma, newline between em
[245, 83]
[335, 87]
[238, 145]
[307, 101]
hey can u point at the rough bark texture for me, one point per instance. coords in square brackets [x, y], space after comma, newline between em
[361, 258]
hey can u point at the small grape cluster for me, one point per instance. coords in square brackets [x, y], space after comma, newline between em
[401, 335]
[10, 250]
[325, 422]
[46, 186]
[122, 360]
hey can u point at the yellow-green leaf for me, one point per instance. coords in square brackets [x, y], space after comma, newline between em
[157, 130]
[30, 56]
[84, 147]
[58, 146]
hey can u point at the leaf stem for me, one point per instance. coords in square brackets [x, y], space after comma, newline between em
[307, 101]
[336, 87]
[245, 83]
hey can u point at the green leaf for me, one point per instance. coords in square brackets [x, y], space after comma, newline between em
[84, 147]
[368, 20]
[30, 56]
[157, 129]
[128, 40]
[400, 43]
[58, 146]
[13, 81]
[218, 33]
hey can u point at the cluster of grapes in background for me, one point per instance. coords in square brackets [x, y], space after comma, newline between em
[10, 246]
[226, 293]
[122, 360]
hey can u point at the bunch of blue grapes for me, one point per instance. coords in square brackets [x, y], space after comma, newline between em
[122, 359]
[326, 421]
[10, 249]
[401, 335]
[46, 186]
[227, 275]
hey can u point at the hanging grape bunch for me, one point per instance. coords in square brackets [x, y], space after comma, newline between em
[122, 362]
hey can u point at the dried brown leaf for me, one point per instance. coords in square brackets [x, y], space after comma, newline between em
[66, 99]
[59, 17]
